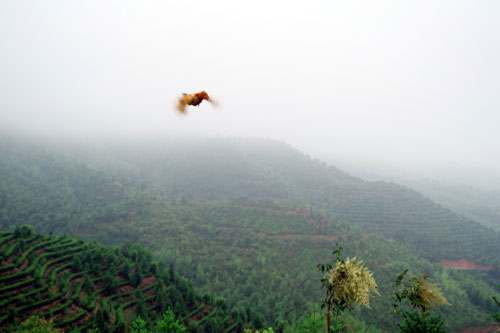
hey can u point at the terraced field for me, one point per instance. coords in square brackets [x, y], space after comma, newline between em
[83, 285]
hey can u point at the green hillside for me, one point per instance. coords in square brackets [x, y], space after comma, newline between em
[80, 285]
[259, 253]
[53, 193]
[263, 254]
[480, 205]
[228, 168]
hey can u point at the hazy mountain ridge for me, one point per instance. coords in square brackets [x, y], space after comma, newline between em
[51, 192]
[228, 168]
[475, 203]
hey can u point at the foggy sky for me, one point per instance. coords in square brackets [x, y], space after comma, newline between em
[401, 83]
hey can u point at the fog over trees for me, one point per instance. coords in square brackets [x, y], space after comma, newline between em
[386, 87]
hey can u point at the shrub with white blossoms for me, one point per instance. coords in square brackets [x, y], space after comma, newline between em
[351, 282]
[420, 294]
[428, 294]
[347, 284]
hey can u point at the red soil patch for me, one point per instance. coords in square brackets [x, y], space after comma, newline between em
[199, 315]
[289, 235]
[111, 225]
[61, 272]
[25, 264]
[73, 310]
[82, 293]
[260, 233]
[250, 248]
[21, 290]
[223, 226]
[56, 317]
[46, 307]
[10, 259]
[7, 244]
[480, 329]
[147, 281]
[150, 292]
[88, 315]
[322, 236]
[94, 311]
[463, 264]
[122, 186]
[51, 268]
[125, 289]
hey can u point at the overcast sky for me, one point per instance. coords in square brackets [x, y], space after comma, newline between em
[394, 81]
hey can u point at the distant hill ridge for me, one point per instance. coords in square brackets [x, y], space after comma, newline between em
[229, 168]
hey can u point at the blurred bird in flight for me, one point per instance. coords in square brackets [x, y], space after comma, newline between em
[192, 99]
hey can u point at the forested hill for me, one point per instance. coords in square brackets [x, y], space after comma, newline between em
[53, 193]
[77, 286]
[480, 205]
[229, 168]
[259, 253]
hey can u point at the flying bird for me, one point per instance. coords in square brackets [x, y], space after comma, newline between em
[192, 99]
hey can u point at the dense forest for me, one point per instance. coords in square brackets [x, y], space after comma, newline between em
[231, 168]
[244, 220]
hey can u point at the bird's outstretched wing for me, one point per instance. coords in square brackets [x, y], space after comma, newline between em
[193, 99]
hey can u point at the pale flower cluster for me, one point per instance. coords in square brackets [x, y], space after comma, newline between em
[428, 294]
[352, 283]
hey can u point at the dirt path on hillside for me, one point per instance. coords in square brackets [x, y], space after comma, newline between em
[463, 264]
[289, 235]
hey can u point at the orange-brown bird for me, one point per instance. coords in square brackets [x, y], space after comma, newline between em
[192, 99]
